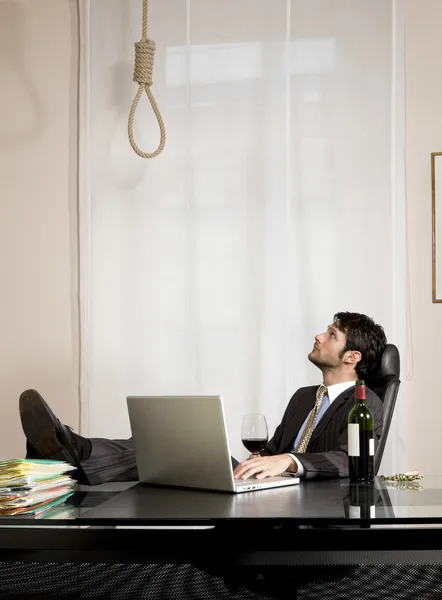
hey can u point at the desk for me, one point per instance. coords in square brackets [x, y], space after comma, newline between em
[313, 524]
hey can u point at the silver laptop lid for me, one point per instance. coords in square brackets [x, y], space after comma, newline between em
[181, 441]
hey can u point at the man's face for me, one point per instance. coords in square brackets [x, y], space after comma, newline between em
[328, 347]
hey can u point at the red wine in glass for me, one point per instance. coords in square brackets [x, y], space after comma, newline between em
[254, 433]
[255, 445]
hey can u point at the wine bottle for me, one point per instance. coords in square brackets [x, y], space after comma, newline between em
[360, 438]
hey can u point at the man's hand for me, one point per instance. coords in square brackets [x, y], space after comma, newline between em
[265, 466]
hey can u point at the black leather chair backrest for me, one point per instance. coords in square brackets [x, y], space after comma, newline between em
[384, 381]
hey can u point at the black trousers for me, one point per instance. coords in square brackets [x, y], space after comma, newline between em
[111, 460]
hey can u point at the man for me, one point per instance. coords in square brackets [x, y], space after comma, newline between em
[312, 437]
[310, 441]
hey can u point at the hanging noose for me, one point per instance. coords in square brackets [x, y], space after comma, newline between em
[143, 68]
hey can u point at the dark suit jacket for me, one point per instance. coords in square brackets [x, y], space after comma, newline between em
[326, 453]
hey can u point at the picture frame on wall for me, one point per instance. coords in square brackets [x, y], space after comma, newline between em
[436, 199]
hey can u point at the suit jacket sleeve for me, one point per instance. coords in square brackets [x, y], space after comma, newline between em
[334, 462]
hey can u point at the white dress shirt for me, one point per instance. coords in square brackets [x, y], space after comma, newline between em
[333, 391]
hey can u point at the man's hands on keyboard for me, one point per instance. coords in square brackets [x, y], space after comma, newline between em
[265, 466]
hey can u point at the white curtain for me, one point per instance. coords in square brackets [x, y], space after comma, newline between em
[276, 203]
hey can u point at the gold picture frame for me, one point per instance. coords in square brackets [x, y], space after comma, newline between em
[436, 217]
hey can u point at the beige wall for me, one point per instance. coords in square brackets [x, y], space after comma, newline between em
[39, 340]
[423, 395]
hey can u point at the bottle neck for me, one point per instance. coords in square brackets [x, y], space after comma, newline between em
[360, 393]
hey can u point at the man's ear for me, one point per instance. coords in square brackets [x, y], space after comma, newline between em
[352, 357]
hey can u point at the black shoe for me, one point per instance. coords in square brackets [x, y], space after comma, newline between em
[46, 436]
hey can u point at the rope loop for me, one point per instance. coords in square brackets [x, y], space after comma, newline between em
[143, 69]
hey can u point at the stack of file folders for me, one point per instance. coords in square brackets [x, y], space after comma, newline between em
[32, 487]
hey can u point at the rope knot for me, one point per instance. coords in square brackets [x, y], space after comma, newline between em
[144, 60]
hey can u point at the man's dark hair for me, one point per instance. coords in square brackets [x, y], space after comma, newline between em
[363, 335]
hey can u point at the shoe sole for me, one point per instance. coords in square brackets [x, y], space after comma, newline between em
[38, 423]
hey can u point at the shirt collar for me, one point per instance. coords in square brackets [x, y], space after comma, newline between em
[333, 391]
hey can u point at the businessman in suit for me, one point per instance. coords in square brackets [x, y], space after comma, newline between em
[310, 441]
[312, 437]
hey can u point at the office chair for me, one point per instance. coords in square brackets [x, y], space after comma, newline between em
[384, 381]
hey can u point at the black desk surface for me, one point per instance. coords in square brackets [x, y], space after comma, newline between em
[314, 502]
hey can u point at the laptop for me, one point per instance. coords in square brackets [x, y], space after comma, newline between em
[181, 441]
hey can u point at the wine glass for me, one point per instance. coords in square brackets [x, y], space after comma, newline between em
[254, 433]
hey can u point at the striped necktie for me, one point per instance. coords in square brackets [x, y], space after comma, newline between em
[308, 430]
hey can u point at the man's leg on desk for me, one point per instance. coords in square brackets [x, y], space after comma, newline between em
[98, 460]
